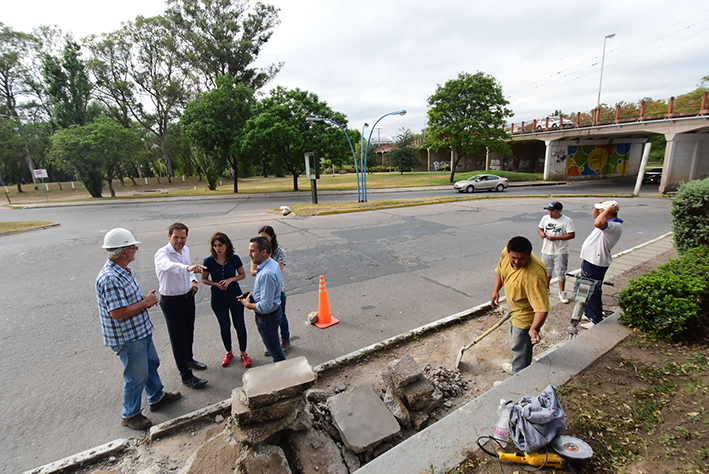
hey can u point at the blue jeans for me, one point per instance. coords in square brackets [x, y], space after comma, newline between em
[521, 349]
[268, 329]
[221, 310]
[140, 371]
[594, 307]
[285, 333]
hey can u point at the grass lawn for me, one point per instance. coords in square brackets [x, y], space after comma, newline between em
[7, 227]
[193, 186]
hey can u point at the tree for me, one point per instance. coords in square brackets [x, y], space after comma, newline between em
[467, 115]
[279, 130]
[95, 151]
[68, 87]
[215, 123]
[403, 155]
[139, 75]
[222, 37]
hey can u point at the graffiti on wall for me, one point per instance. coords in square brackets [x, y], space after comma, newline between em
[440, 165]
[594, 160]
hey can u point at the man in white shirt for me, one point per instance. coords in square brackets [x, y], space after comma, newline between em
[556, 230]
[596, 252]
[178, 285]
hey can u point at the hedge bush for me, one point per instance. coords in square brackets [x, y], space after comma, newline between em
[690, 215]
[670, 301]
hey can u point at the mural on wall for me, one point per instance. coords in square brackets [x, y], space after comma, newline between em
[595, 160]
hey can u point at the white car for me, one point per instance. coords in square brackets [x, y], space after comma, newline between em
[481, 182]
[553, 123]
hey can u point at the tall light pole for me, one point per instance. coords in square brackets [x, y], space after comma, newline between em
[354, 155]
[603, 58]
[364, 181]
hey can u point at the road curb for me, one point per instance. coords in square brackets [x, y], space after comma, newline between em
[84, 458]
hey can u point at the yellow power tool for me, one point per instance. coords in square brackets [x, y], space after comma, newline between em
[534, 459]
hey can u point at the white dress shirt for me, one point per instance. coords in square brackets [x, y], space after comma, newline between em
[171, 270]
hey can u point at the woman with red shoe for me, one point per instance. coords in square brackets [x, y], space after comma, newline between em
[224, 270]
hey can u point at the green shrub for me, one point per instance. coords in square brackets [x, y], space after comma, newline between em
[690, 215]
[669, 301]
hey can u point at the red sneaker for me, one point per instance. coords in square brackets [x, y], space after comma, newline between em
[227, 359]
[246, 360]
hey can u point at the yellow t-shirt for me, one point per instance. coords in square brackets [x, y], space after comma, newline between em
[525, 289]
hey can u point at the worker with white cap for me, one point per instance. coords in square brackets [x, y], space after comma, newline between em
[127, 329]
[596, 252]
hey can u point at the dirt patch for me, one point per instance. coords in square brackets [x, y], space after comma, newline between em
[603, 384]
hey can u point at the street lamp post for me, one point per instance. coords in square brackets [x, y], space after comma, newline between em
[361, 191]
[364, 181]
[603, 58]
[354, 155]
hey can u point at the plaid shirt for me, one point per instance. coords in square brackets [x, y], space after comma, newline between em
[116, 288]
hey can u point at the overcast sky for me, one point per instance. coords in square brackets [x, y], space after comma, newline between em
[368, 58]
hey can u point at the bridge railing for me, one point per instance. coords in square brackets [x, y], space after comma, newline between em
[687, 105]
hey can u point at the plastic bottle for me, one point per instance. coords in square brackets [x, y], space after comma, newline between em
[501, 429]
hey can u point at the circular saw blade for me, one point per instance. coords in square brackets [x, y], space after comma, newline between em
[572, 448]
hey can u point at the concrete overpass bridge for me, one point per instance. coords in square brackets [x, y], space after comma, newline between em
[591, 146]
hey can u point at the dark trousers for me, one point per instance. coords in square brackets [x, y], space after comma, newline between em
[180, 315]
[594, 307]
[267, 326]
[221, 310]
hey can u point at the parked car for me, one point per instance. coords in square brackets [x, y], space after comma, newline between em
[553, 123]
[481, 182]
[653, 176]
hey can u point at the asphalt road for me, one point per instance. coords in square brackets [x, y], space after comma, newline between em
[386, 272]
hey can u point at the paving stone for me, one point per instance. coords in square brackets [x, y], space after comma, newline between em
[404, 371]
[397, 408]
[315, 451]
[419, 420]
[217, 456]
[417, 395]
[267, 384]
[362, 418]
[256, 434]
[280, 409]
[264, 459]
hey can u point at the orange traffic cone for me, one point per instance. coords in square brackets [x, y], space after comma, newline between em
[325, 319]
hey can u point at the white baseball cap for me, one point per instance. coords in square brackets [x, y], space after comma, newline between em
[605, 205]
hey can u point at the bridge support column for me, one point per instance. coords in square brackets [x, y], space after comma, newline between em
[547, 160]
[641, 171]
[668, 162]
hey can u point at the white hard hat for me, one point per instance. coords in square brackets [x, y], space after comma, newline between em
[605, 205]
[117, 238]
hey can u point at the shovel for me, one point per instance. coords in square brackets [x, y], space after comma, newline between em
[480, 338]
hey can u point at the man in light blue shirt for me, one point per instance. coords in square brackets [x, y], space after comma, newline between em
[265, 300]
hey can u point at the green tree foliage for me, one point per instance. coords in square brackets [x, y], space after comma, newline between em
[278, 130]
[140, 76]
[467, 114]
[68, 87]
[215, 124]
[224, 37]
[403, 155]
[95, 151]
[690, 215]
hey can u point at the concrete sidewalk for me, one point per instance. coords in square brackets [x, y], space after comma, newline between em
[445, 444]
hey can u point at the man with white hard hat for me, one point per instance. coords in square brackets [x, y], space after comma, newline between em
[596, 252]
[127, 329]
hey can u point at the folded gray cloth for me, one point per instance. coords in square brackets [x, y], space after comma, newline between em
[536, 421]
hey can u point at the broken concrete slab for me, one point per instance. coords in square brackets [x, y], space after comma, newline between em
[404, 371]
[280, 409]
[315, 451]
[418, 394]
[267, 384]
[217, 456]
[259, 433]
[362, 418]
[317, 395]
[419, 420]
[270, 459]
[397, 408]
